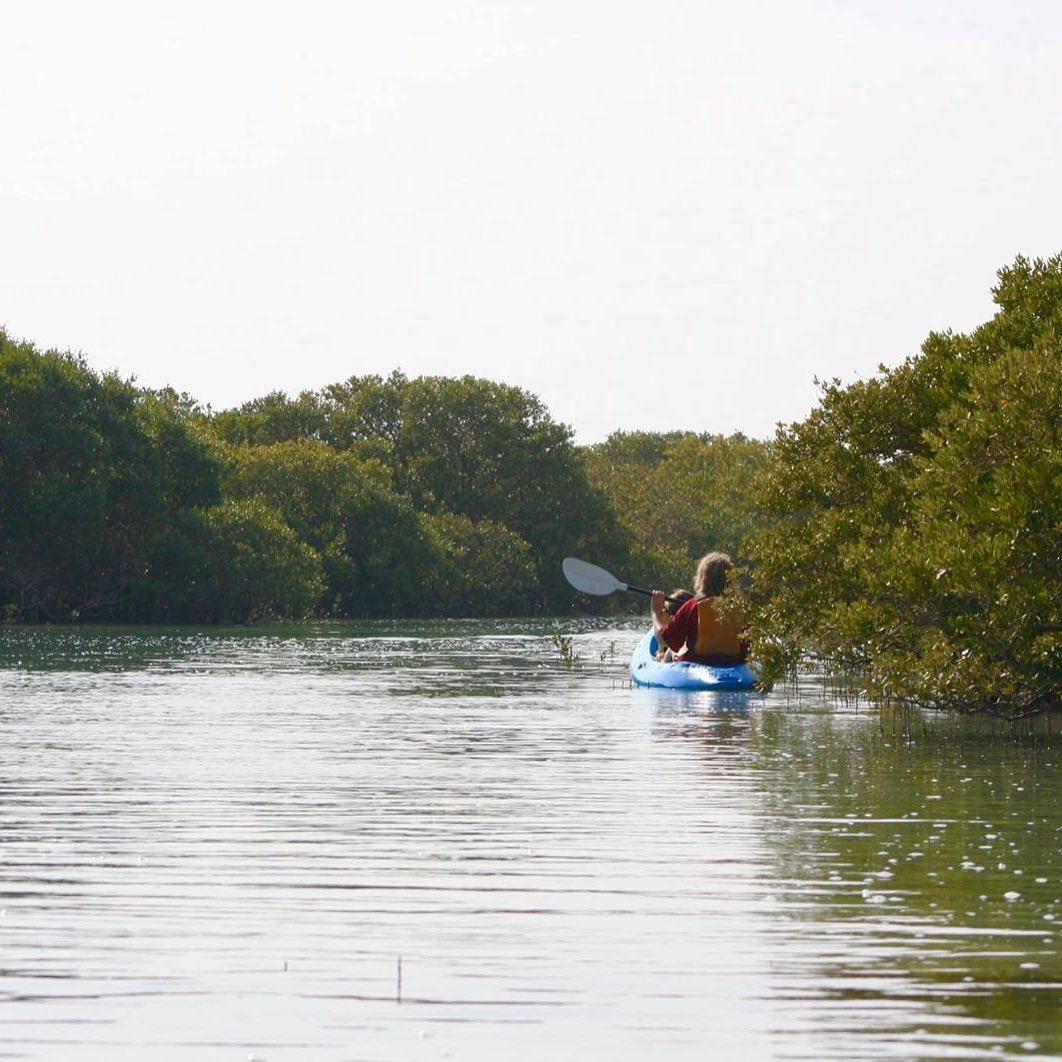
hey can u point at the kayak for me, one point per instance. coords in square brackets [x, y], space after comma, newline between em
[646, 670]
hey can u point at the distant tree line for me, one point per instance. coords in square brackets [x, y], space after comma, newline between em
[907, 531]
[375, 497]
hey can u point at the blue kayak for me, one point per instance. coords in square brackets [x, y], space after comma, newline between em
[646, 670]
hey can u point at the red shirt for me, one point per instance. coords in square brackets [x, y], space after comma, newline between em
[682, 628]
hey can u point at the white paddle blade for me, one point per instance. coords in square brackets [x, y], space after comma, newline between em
[589, 578]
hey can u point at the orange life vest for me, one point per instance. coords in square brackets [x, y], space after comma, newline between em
[719, 638]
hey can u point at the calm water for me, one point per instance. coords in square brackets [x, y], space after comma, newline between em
[218, 845]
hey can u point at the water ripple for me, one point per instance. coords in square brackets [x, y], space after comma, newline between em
[218, 845]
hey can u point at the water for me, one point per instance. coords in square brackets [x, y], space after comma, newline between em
[218, 845]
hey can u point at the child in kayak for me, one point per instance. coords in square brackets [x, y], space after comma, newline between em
[699, 632]
[675, 599]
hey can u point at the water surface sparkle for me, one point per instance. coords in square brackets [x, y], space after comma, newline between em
[215, 845]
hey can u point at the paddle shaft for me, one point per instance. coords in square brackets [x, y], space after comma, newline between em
[648, 593]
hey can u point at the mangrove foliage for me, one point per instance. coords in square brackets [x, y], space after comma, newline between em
[914, 519]
[907, 532]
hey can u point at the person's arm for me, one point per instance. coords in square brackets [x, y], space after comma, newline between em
[673, 631]
[659, 613]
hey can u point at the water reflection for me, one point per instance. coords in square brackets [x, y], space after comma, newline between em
[218, 844]
[918, 884]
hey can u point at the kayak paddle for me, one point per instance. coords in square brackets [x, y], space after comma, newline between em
[591, 579]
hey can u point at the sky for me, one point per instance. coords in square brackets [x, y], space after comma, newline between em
[653, 216]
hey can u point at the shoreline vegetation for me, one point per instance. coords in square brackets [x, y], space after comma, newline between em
[907, 531]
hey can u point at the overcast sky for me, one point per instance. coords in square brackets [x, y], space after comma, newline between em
[651, 215]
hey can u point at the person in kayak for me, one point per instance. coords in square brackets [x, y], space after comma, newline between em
[675, 599]
[700, 632]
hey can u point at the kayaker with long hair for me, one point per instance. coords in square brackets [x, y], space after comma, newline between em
[701, 631]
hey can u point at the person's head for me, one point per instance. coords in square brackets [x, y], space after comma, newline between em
[677, 598]
[712, 569]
